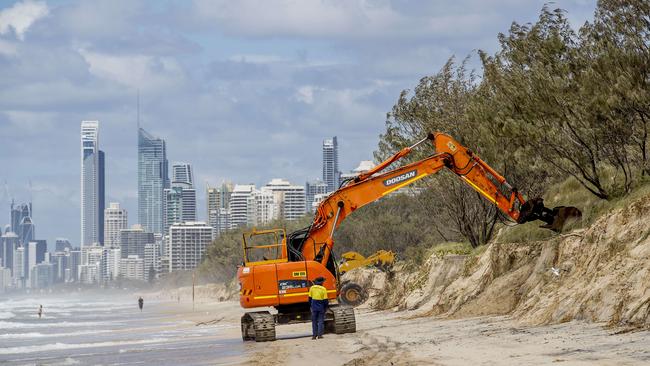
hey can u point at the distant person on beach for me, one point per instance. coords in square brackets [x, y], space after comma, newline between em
[318, 303]
[40, 311]
[140, 303]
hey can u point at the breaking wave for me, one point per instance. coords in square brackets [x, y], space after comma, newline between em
[16, 325]
[65, 346]
[48, 335]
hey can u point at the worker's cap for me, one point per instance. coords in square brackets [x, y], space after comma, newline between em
[319, 280]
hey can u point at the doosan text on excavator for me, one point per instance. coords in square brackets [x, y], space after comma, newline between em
[279, 272]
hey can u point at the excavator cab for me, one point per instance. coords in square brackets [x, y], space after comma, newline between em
[264, 247]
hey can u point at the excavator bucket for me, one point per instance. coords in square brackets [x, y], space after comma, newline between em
[555, 218]
[563, 216]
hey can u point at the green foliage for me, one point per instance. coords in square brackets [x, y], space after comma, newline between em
[452, 248]
[399, 222]
[580, 100]
[440, 103]
[552, 103]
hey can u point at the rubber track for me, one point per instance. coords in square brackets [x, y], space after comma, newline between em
[263, 326]
[344, 320]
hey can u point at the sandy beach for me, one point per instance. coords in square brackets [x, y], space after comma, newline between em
[396, 338]
[112, 331]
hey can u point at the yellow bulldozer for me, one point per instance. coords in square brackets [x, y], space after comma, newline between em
[352, 293]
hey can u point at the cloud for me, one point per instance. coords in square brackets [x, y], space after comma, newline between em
[305, 94]
[135, 71]
[21, 16]
[348, 19]
[30, 123]
[7, 48]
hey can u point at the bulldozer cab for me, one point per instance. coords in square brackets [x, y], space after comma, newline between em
[264, 247]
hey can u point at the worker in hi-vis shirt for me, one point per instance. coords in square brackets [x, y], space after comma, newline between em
[318, 304]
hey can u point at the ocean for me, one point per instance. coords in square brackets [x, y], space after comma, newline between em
[109, 329]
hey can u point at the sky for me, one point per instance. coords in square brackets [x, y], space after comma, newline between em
[243, 90]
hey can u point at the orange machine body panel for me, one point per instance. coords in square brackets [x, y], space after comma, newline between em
[277, 284]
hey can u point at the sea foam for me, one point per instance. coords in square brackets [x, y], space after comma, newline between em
[65, 346]
[16, 325]
[6, 315]
[48, 335]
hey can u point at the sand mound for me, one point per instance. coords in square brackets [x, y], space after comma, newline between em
[599, 274]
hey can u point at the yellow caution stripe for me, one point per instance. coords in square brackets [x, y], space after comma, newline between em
[306, 293]
[288, 295]
[296, 294]
[485, 194]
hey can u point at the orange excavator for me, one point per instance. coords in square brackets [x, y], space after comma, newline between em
[279, 269]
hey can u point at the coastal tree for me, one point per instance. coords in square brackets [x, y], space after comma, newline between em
[440, 103]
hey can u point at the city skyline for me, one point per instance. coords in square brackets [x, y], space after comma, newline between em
[179, 176]
[242, 97]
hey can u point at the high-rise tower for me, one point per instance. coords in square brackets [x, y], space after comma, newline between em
[331, 164]
[218, 206]
[22, 223]
[101, 198]
[115, 220]
[153, 178]
[18, 213]
[92, 184]
[288, 199]
[179, 204]
[182, 173]
[312, 189]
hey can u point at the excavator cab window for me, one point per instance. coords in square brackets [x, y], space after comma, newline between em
[264, 247]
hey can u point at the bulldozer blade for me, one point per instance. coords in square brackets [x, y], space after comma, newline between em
[563, 216]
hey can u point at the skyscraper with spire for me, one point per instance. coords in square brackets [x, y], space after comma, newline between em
[153, 178]
[92, 185]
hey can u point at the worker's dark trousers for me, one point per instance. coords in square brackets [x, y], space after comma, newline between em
[317, 322]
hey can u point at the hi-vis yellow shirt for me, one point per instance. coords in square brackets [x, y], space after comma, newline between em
[318, 292]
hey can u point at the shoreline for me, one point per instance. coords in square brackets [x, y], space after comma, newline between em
[208, 333]
[404, 338]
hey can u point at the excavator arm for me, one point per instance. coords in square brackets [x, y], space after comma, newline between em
[449, 154]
